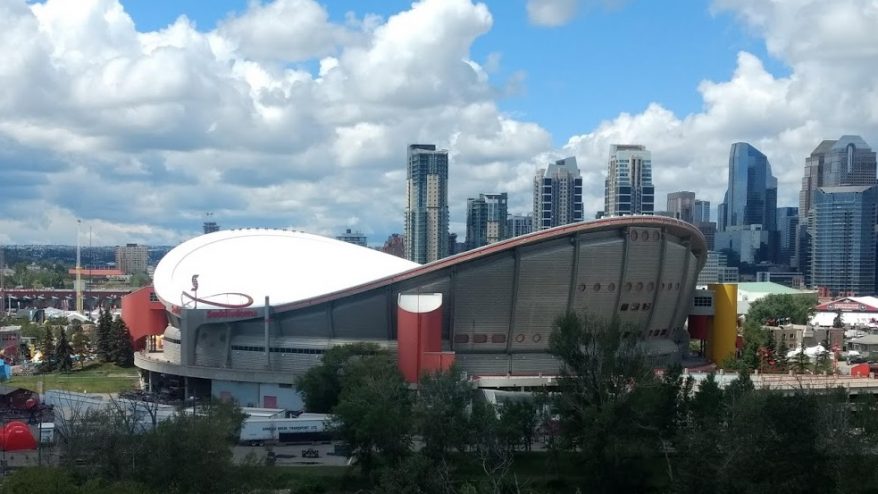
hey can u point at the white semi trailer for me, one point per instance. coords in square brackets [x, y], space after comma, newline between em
[307, 427]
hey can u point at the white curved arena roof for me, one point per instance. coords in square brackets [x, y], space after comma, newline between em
[284, 265]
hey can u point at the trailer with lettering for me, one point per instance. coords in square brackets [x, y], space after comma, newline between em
[307, 427]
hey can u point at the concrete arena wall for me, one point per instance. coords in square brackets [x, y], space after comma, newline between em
[499, 302]
[253, 394]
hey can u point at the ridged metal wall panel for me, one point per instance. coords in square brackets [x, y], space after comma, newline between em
[292, 362]
[482, 306]
[669, 286]
[599, 270]
[310, 323]
[640, 280]
[543, 291]
[483, 364]
[362, 317]
[535, 363]
[246, 360]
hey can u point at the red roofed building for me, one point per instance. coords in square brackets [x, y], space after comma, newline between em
[145, 317]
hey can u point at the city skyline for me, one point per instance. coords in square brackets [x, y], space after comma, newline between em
[176, 109]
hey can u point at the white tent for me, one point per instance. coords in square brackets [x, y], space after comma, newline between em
[810, 352]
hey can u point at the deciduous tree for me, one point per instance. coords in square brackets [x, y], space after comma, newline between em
[602, 375]
[374, 410]
[321, 385]
[441, 412]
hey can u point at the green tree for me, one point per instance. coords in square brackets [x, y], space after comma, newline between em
[754, 340]
[801, 361]
[838, 321]
[79, 341]
[63, 352]
[490, 448]
[782, 309]
[139, 280]
[601, 383]
[47, 348]
[769, 354]
[441, 412]
[699, 440]
[518, 423]
[782, 361]
[321, 385]
[121, 351]
[103, 334]
[823, 361]
[374, 411]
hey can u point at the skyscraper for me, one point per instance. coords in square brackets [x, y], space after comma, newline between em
[476, 223]
[843, 239]
[681, 205]
[787, 226]
[557, 195]
[352, 237]
[847, 161]
[485, 220]
[497, 212]
[747, 215]
[628, 188]
[701, 211]
[517, 225]
[426, 212]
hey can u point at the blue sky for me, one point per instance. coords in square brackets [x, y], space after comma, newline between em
[604, 62]
[297, 113]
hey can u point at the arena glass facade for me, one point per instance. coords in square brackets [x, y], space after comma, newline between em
[499, 303]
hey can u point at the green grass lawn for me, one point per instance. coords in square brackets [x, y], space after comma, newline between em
[94, 378]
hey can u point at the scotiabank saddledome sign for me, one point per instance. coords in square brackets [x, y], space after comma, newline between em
[232, 314]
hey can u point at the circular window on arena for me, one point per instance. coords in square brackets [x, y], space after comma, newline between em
[650, 286]
[611, 287]
[519, 338]
[678, 286]
[628, 286]
[537, 337]
[655, 236]
[597, 287]
[634, 235]
[639, 286]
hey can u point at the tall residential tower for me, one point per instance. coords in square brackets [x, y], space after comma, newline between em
[628, 188]
[557, 195]
[426, 212]
[485, 220]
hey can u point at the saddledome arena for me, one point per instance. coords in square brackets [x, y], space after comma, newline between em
[248, 311]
